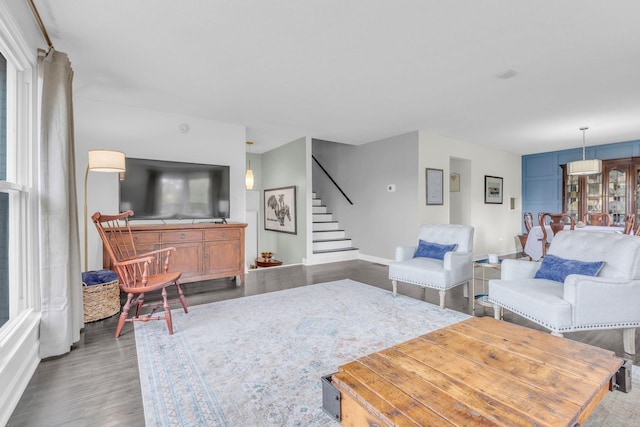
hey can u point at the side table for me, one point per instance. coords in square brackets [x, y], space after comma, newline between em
[267, 262]
[483, 298]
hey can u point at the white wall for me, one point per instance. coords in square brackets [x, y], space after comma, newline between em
[287, 166]
[495, 225]
[378, 220]
[152, 135]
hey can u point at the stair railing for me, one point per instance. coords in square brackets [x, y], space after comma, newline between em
[332, 180]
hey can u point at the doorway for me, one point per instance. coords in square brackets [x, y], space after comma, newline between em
[459, 191]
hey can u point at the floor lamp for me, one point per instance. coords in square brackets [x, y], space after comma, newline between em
[100, 161]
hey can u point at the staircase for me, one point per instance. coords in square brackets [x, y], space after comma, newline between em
[329, 241]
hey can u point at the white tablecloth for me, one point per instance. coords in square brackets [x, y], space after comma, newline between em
[533, 247]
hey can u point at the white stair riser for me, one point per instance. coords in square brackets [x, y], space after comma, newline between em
[322, 217]
[325, 235]
[333, 244]
[334, 256]
[316, 202]
[319, 226]
[319, 209]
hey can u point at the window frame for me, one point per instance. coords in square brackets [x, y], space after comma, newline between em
[21, 180]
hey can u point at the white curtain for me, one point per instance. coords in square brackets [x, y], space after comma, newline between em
[61, 274]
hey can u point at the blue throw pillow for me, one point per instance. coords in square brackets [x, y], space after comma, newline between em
[556, 268]
[433, 250]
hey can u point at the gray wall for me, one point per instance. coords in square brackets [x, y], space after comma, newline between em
[283, 167]
[379, 219]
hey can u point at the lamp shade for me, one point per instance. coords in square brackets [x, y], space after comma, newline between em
[584, 167]
[106, 161]
[248, 179]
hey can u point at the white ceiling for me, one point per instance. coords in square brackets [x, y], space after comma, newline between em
[362, 70]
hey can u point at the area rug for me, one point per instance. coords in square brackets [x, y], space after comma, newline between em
[257, 361]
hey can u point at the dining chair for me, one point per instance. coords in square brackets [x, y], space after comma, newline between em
[557, 223]
[528, 225]
[597, 218]
[138, 273]
[629, 223]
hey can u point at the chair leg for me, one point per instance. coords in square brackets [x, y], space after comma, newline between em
[181, 296]
[442, 294]
[497, 312]
[140, 302]
[124, 314]
[629, 340]
[395, 287]
[167, 311]
[465, 290]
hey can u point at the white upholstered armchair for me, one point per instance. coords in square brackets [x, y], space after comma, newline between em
[442, 260]
[574, 296]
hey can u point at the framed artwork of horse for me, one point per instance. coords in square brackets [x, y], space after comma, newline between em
[280, 210]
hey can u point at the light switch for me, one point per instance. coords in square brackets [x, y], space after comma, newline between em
[391, 188]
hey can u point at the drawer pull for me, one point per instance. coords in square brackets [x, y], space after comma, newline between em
[135, 239]
[183, 236]
[223, 234]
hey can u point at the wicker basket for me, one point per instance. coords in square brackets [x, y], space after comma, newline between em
[100, 301]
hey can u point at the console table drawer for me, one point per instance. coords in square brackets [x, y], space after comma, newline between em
[146, 237]
[210, 235]
[182, 236]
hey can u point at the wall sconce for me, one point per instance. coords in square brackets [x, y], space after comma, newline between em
[248, 178]
[100, 161]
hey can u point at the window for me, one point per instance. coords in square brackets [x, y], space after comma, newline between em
[17, 276]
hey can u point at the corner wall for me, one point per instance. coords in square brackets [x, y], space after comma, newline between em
[378, 220]
[287, 166]
[496, 225]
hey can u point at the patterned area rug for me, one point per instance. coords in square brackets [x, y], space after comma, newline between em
[257, 361]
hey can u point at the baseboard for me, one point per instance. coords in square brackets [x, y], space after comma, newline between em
[19, 349]
[375, 260]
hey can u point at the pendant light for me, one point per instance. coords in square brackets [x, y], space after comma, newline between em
[248, 178]
[584, 167]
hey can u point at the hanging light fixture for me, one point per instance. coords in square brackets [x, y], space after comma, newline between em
[248, 178]
[584, 166]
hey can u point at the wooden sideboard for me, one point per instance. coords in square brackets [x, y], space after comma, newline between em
[203, 251]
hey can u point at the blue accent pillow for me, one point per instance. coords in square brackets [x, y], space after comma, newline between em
[557, 269]
[433, 250]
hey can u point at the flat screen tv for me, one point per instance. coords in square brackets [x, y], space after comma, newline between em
[157, 189]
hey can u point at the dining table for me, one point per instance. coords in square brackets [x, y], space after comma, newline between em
[533, 245]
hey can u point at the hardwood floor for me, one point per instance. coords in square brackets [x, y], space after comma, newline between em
[97, 383]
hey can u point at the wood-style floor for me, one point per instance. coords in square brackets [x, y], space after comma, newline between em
[97, 383]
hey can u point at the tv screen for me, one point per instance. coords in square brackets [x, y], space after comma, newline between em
[157, 189]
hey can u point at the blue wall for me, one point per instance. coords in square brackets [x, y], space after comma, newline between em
[542, 175]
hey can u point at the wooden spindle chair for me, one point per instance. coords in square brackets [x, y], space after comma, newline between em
[138, 273]
[557, 223]
[629, 223]
[597, 218]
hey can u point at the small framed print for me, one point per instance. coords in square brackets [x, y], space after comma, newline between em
[493, 189]
[280, 209]
[434, 186]
[454, 182]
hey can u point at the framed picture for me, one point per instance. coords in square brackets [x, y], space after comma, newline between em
[280, 210]
[493, 189]
[434, 186]
[454, 182]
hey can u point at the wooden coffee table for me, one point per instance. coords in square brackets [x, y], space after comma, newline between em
[480, 371]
